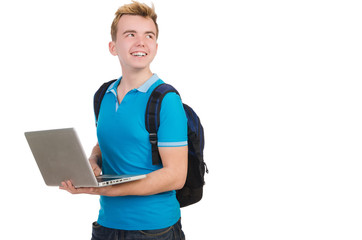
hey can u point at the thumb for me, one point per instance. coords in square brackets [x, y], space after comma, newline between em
[97, 171]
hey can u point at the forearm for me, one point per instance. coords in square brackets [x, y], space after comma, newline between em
[171, 177]
[96, 155]
[162, 180]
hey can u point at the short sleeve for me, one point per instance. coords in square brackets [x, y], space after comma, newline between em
[173, 122]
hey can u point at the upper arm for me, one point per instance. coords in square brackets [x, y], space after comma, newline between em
[172, 131]
[172, 136]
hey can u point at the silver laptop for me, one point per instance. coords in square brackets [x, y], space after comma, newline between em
[60, 156]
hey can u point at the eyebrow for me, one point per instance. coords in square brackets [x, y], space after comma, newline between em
[150, 32]
[129, 31]
[134, 31]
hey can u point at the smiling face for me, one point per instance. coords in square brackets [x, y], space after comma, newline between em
[136, 43]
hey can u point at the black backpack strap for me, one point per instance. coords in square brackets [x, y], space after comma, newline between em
[152, 117]
[98, 96]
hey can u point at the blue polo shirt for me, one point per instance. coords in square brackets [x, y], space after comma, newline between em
[125, 147]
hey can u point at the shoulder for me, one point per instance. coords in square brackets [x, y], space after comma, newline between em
[172, 108]
[103, 88]
[172, 100]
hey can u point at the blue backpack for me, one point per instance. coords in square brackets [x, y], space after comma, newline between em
[193, 189]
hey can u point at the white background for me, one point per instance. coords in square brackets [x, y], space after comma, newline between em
[277, 85]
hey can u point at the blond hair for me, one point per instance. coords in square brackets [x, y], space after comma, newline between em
[134, 8]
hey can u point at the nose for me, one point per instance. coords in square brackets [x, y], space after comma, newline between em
[140, 42]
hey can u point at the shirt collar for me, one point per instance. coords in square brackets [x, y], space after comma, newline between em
[144, 88]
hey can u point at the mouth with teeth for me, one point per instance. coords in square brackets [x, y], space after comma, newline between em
[139, 54]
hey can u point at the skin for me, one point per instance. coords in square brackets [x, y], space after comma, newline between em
[137, 34]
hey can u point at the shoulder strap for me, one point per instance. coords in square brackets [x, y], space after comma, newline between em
[98, 96]
[152, 116]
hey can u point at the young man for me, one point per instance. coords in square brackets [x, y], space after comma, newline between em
[147, 208]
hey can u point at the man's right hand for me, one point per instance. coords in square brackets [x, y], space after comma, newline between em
[96, 169]
[95, 160]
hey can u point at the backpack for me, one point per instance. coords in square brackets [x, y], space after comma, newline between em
[193, 189]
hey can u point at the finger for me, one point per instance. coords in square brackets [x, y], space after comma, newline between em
[63, 186]
[68, 186]
[97, 172]
[75, 190]
[71, 187]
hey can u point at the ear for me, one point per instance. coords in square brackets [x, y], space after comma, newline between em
[112, 48]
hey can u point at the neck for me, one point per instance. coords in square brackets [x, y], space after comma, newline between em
[134, 79]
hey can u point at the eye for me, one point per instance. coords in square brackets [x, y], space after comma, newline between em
[149, 36]
[130, 35]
